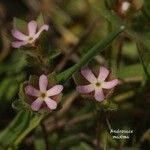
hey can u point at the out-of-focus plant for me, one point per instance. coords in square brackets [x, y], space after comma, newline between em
[57, 121]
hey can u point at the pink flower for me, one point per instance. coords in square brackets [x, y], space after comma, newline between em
[43, 95]
[96, 84]
[23, 39]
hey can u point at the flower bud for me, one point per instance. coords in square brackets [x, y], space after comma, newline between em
[127, 8]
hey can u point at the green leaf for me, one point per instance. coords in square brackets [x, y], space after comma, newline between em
[52, 78]
[9, 86]
[145, 68]
[16, 63]
[4, 86]
[44, 43]
[130, 71]
[20, 24]
[40, 20]
[54, 54]
[17, 126]
[109, 105]
[20, 105]
[33, 80]
[12, 91]
[34, 122]
[99, 47]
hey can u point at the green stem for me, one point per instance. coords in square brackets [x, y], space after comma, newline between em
[98, 130]
[34, 122]
[100, 123]
[139, 48]
[45, 135]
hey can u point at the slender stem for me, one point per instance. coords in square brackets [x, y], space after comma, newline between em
[105, 144]
[45, 136]
[44, 66]
[99, 122]
[42, 61]
[142, 61]
[119, 54]
[110, 52]
[97, 135]
[108, 123]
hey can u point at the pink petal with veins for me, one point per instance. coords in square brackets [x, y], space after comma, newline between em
[99, 95]
[32, 27]
[37, 104]
[18, 35]
[55, 90]
[43, 83]
[18, 44]
[110, 84]
[103, 73]
[87, 73]
[44, 27]
[85, 88]
[51, 103]
[30, 90]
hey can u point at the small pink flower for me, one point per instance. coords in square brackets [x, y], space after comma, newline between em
[23, 39]
[96, 84]
[43, 95]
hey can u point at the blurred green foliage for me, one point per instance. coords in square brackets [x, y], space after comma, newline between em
[75, 27]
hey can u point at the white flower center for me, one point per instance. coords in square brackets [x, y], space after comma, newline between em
[97, 84]
[30, 39]
[43, 95]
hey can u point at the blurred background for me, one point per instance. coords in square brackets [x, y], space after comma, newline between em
[76, 26]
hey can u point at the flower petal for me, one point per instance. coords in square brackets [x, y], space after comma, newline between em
[110, 84]
[32, 27]
[43, 82]
[18, 35]
[30, 90]
[85, 88]
[18, 44]
[87, 73]
[51, 103]
[55, 90]
[44, 27]
[103, 73]
[99, 95]
[37, 104]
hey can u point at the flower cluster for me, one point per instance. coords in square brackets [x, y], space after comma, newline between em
[45, 94]
[95, 87]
